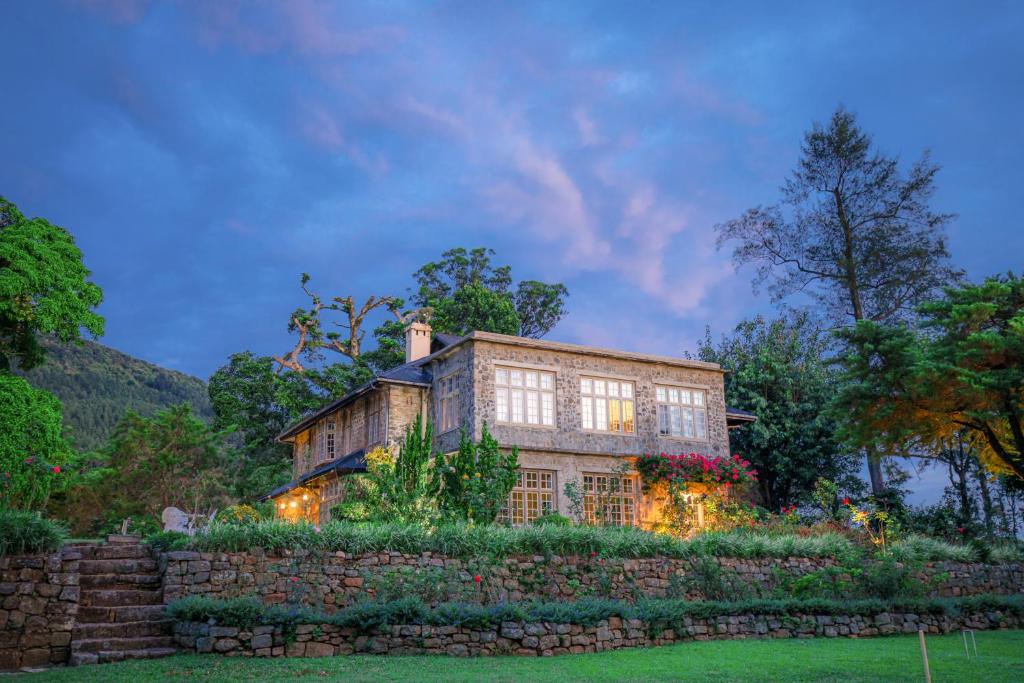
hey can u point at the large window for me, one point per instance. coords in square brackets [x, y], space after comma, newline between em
[531, 497]
[524, 396]
[609, 499]
[448, 403]
[607, 405]
[374, 419]
[682, 412]
[324, 443]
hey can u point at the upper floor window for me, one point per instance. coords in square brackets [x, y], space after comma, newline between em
[374, 419]
[607, 405]
[324, 444]
[448, 403]
[524, 396]
[682, 412]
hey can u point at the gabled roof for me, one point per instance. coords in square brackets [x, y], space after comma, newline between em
[351, 463]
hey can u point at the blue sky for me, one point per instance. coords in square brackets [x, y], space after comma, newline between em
[204, 154]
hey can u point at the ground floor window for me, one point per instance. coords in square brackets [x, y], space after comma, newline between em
[609, 499]
[531, 497]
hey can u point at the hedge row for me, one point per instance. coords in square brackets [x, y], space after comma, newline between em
[367, 617]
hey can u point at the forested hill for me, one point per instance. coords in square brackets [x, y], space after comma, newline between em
[97, 384]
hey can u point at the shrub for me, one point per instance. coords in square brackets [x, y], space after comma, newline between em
[552, 519]
[915, 547]
[164, 541]
[27, 532]
[239, 514]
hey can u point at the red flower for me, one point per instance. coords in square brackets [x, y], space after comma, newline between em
[28, 461]
[56, 469]
[293, 579]
[959, 529]
[592, 553]
[846, 501]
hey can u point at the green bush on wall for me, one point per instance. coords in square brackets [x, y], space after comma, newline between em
[27, 532]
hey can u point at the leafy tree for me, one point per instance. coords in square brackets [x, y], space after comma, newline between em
[171, 459]
[475, 481]
[32, 450]
[778, 370]
[961, 370]
[399, 488]
[43, 288]
[257, 404]
[454, 287]
[850, 231]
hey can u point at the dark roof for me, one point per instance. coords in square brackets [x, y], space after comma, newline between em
[735, 416]
[442, 340]
[353, 462]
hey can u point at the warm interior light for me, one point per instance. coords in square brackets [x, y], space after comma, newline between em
[305, 496]
[292, 504]
[281, 505]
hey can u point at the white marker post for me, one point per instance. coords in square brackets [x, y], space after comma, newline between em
[924, 656]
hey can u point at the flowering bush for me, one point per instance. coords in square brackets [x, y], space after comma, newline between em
[695, 468]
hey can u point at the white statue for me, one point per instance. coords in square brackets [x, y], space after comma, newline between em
[175, 520]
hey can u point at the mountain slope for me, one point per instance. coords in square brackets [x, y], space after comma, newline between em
[97, 384]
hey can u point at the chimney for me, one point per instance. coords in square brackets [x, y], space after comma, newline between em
[417, 341]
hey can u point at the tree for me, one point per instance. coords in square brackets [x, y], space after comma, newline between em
[399, 488]
[44, 288]
[473, 483]
[453, 288]
[257, 404]
[851, 232]
[32, 449]
[171, 459]
[778, 370]
[962, 369]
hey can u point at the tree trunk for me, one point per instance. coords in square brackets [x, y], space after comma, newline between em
[986, 497]
[875, 472]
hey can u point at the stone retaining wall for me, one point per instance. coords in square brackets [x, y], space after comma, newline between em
[544, 639]
[38, 604]
[333, 580]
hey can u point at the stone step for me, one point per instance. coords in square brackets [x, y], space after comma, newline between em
[140, 565]
[118, 581]
[131, 629]
[119, 551]
[121, 644]
[119, 597]
[130, 539]
[119, 615]
[145, 653]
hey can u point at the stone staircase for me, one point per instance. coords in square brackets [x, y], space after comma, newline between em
[120, 610]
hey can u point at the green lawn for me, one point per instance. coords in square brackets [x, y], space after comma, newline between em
[1001, 658]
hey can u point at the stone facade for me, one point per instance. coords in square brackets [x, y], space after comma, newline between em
[39, 597]
[546, 639]
[337, 579]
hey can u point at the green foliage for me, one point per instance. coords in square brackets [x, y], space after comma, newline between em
[166, 541]
[963, 368]
[44, 288]
[468, 293]
[97, 385]
[552, 519]
[475, 481]
[23, 532]
[239, 514]
[399, 489]
[171, 459]
[32, 450]
[779, 370]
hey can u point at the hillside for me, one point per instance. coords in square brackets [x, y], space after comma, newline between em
[97, 384]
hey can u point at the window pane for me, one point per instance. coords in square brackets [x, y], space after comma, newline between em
[661, 394]
[601, 414]
[673, 396]
[502, 404]
[516, 378]
[627, 417]
[501, 376]
[702, 426]
[532, 408]
[586, 386]
[599, 387]
[517, 405]
[687, 421]
[548, 409]
[627, 390]
[663, 425]
[614, 416]
[675, 420]
[587, 409]
[685, 396]
[698, 398]
[531, 380]
[613, 388]
[547, 380]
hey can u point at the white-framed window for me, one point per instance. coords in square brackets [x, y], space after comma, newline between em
[606, 405]
[610, 499]
[331, 491]
[523, 396]
[682, 412]
[448, 403]
[532, 496]
[328, 429]
[374, 419]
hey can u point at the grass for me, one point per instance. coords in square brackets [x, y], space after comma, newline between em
[28, 532]
[1000, 660]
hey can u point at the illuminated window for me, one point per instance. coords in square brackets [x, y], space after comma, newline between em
[524, 396]
[609, 499]
[682, 412]
[533, 496]
[448, 403]
[329, 438]
[607, 405]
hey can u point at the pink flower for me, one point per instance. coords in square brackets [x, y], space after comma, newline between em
[28, 461]
[56, 469]
[294, 579]
[593, 553]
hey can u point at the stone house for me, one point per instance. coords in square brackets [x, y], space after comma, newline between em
[578, 414]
